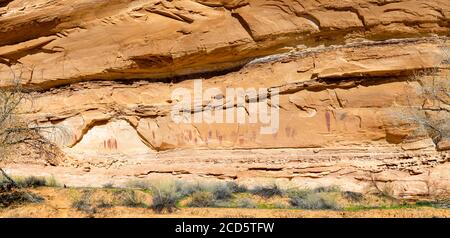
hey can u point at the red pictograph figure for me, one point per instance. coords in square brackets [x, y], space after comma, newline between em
[110, 144]
[328, 120]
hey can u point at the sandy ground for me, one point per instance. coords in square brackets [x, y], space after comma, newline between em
[58, 203]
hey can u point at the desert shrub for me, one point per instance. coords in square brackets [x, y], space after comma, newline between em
[34, 182]
[10, 195]
[31, 182]
[84, 206]
[300, 193]
[315, 202]
[108, 185]
[267, 191]
[5, 185]
[88, 204]
[130, 198]
[52, 182]
[307, 199]
[353, 196]
[165, 193]
[139, 184]
[246, 203]
[165, 197]
[280, 205]
[202, 199]
[83, 203]
[445, 203]
[164, 201]
[184, 189]
[17, 196]
[102, 203]
[222, 192]
[236, 188]
[327, 189]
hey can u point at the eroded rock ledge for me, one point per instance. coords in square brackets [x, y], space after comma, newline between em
[105, 71]
[357, 86]
[54, 43]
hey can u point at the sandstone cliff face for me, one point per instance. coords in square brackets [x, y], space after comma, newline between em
[55, 43]
[105, 72]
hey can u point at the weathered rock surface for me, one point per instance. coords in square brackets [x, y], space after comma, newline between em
[60, 42]
[105, 72]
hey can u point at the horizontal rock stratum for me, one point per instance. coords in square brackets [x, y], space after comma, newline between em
[105, 71]
[55, 43]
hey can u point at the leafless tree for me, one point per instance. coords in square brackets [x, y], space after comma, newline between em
[429, 108]
[386, 190]
[16, 132]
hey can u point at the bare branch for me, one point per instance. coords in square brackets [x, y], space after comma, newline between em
[429, 108]
[16, 131]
